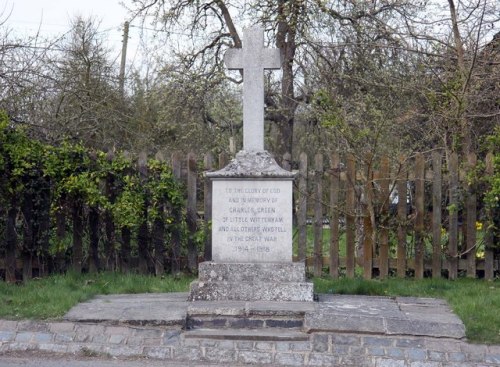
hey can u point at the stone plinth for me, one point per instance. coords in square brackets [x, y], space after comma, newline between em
[251, 282]
[251, 235]
[252, 210]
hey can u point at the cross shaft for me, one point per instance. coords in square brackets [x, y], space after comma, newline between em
[253, 59]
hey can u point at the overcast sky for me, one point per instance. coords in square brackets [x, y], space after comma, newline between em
[53, 17]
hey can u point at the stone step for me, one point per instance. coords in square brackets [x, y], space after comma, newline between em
[243, 322]
[250, 315]
[250, 291]
[246, 308]
[247, 334]
[252, 272]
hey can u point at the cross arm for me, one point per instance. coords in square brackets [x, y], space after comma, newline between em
[233, 58]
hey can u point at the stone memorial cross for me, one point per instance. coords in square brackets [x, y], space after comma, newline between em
[253, 59]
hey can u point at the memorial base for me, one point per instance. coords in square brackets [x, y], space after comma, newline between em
[251, 282]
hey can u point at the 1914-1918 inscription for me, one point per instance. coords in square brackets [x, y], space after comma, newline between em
[252, 221]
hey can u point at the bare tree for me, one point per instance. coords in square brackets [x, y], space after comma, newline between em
[290, 25]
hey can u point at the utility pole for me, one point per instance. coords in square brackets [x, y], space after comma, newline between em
[121, 78]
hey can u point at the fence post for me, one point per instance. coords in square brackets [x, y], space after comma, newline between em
[60, 218]
[488, 244]
[368, 242]
[126, 232]
[207, 187]
[287, 159]
[143, 232]
[419, 218]
[223, 159]
[94, 265]
[402, 217]
[93, 222]
[471, 220]
[334, 214]
[436, 214]
[158, 230]
[318, 214]
[453, 218]
[11, 242]
[302, 207]
[109, 224]
[384, 225]
[191, 213]
[77, 235]
[350, 215]
[177, 215]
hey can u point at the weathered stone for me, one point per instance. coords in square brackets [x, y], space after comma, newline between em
[40, 337]
[158, 352]
[289, 359]
[255, 357]
[6, 336]
[209, 271]
[24, 337]
[248, 291]
[417, 354]
[252, 220]
[252, 164]
[423, 327]
[247, 334]
[220, 355]
[253, 59]
[53, 348]
[320, 343]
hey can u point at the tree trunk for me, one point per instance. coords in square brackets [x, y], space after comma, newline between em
[285, 40]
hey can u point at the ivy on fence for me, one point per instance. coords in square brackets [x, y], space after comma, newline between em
[54, 198]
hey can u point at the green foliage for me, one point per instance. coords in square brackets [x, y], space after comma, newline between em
[128, 208]
[76, 173]
[492, 197]
[52, 297]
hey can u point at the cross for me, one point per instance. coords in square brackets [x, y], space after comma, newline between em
[253, 59]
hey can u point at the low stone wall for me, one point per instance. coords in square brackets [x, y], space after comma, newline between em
[322, 349]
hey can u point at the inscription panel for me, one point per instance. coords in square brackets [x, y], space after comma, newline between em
[252, 221]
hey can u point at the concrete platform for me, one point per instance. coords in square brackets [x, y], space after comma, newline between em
[332, 313]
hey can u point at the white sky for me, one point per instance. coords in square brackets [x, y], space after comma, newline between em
[52, 18]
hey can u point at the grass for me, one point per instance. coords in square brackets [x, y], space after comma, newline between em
[326, 242]
[476, 302]
[52, 297]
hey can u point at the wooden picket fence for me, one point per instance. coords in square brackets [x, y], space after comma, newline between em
[424, 234]
[431, 231]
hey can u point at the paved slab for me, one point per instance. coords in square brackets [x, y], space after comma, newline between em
[134, 309]
[385, 315]
[332, 313]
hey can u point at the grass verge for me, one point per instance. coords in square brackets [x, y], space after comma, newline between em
[52, 297]
[476, 302]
